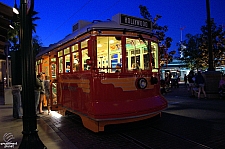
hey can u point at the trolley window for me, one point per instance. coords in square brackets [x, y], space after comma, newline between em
[67, 63]
[84, 52]
[53, 67]
[60, 55]
[75, 60]
[84, 44]
[67, 60]
[61, 65]
[53, 70]
[109, 54]
[74, 48]
[66, 51]
[85, 57]
[137, 55]
[53, 59]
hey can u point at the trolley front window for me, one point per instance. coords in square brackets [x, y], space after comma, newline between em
[155, 59]
[109, 54]
[137, 55]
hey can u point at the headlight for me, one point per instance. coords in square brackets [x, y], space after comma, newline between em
[141, 83]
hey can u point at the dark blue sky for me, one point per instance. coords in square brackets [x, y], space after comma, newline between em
[57, 17]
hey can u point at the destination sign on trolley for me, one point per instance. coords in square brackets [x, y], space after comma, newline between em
[133, 21]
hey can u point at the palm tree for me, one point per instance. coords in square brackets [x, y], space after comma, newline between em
[34, 18]
[13, 33]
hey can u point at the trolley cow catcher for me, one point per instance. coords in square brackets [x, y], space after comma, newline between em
[105, 72]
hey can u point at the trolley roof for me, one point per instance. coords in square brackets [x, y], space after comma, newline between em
[119, 22]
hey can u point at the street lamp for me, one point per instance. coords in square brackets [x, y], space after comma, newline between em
[212, 77]
[211, 62]
[15, 8]
[30, 135]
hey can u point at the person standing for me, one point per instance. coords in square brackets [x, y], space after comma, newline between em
[185, 80]
[37, 89]
[222, 85]
[191, 82]
[16, 89]
[47, 92]
[200, 81]
[42, 94]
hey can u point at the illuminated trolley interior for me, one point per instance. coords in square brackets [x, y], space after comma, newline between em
[105, 72]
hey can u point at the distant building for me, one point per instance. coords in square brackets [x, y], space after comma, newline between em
[176, 68]
[6, 15]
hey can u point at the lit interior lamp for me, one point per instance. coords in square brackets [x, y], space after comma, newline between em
[111, 41]
[99, 45]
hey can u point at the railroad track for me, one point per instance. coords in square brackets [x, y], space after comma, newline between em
[147, 134]
[164, 145]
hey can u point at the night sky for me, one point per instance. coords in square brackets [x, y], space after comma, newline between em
[58, 17]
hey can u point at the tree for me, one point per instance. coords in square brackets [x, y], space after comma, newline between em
[13, 36]
[34, 18]
[218, 43]
[159, 31]
[192, 55]
[13, 33]
[37, 44]
[195, 54]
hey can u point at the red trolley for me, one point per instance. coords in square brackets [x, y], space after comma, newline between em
[107, 72]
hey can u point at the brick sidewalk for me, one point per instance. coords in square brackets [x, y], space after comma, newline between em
[9, 125]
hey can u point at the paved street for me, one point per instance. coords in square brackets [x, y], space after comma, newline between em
[187, 123]
[205, 109]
